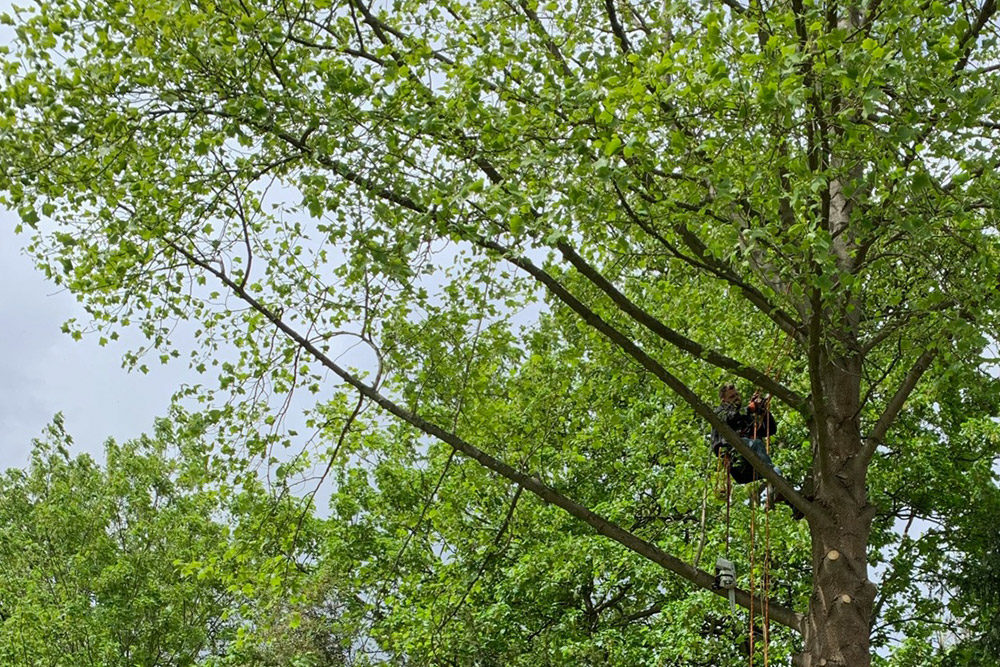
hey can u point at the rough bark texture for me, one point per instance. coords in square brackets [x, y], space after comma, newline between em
[836, 629]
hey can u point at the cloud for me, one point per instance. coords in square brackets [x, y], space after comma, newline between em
[44, 371]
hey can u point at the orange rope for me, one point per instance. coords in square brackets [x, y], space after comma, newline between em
[766, 593]
[752, 519]
[765, 574]
[720, 483]
[729, 496]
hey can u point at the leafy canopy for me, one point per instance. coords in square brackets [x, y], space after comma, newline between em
[556, 228]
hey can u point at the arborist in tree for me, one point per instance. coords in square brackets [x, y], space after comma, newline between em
[752, 425]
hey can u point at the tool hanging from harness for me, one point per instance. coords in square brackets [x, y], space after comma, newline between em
[725, 579]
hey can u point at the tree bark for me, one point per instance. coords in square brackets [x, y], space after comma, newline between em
[837, 626]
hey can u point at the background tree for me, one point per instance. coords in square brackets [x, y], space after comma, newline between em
[799, 195]
[142, 561]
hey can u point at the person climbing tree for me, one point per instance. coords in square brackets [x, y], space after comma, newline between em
[752, 425]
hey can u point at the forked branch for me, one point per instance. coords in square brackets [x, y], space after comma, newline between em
[754, 375]
[628, 346]
[895, 404]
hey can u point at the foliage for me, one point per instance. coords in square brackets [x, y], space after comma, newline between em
[553, 230]
[136, 562]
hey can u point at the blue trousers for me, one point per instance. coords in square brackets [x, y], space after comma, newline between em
[740, 468]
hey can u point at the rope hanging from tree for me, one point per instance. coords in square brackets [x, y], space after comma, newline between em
[725, 572]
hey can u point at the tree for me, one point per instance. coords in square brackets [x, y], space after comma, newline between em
[130, 563]
[89, 574]
[801, 196]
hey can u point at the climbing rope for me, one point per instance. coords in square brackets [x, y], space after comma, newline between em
[765, 582]
[753, 519]
[766, 573]
[729, 498]
[725, 463]
[766, 592]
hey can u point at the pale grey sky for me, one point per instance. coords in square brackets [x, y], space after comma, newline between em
[48, 372]
[44, 371]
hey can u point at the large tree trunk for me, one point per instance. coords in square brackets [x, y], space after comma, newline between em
[837, 627]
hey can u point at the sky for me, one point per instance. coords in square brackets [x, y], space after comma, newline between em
[44, 371]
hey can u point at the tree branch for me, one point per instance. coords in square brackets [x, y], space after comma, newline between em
[673, 337]
[895, 404]
[968, 41]
[897, 322]
[752, 294]
[616, 27]
[639, 615]
[657, 327]
[623, 342]
[550, 45]
[814, 356]
[700, 578]
[490, 552]
[701, 408]
[367, 184]
[705, 261]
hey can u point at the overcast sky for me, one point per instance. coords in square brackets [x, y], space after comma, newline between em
[44, 371]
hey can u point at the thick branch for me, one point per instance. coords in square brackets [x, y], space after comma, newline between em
[753, 295]
[700, 578]
[679, 341]
[705, 261]
[640, 615]
[752, 374]
[968, 41]
[895, 404]
[657, 327]
[372, 187]
[616, 27]
[814, 355]
[700, 407]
